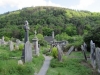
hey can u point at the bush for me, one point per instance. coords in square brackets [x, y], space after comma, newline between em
[7, 38]
[21, 46]
[54, 52]
[94, 35]
[43, 43]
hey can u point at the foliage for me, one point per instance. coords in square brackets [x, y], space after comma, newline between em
[43, 43]
[93, 35]
[7, 38]
[69, 66]
[54, 52]
[21, 47]
[9, 66]
[45, 19]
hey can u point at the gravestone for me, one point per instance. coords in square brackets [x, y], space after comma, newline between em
[85, 46]
[36, 46]
[83, 50]
[60, 53]
[11, 45]
[70, 50]
[53, 35]
[2, 41]
[18, 41]
[28, 52]
[92, 54]
[98, 58]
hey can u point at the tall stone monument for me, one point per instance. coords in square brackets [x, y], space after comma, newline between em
[27, 51]
[92, 54]
[98, 58]
[53, 35]
[60, 53]
[35, 44]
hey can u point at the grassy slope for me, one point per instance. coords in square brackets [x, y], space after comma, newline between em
[71, 65]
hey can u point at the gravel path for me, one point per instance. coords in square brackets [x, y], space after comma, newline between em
[45, 66]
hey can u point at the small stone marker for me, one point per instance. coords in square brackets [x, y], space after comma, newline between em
[20, 62]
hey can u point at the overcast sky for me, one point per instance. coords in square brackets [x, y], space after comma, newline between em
[12, 5]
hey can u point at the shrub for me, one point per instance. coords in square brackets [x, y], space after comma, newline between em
[21, 46]
[43, 43]
[7, 38]
[54, 52]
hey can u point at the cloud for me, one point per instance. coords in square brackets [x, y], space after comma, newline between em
[26, 3]
[83, 4]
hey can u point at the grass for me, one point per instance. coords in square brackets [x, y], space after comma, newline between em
[10, 66]
[71, 65]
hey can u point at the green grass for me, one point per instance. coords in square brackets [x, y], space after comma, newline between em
[71, 65]
[38, 62]
[9, 66]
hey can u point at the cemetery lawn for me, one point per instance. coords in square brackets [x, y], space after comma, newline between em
[73, 64]
[9, 65]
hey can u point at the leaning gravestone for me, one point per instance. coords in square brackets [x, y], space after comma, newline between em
[70, 50]
[83, 50]
[60, 53]
[11, 45]
[98, 58]
[92, 54]
[28, 52]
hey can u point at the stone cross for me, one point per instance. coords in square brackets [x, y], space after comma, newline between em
[26, 28]
[27, 51]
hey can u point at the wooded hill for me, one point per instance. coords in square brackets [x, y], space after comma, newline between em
[45, 19]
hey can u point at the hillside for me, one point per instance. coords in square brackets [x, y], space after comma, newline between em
[46, 19]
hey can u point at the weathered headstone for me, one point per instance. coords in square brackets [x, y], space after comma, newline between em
[92, 54]
[70, 50]
[2, 41]
[28, 52]
[53, 35]
[36, 46]
[98, 58]
[85, 46]
[83, 50]
[11, 45]
[60, 53]
[18, 41]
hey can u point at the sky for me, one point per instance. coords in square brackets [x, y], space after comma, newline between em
[12, 5]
